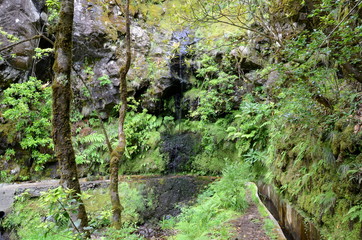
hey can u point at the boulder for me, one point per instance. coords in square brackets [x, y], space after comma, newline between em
[21, 19]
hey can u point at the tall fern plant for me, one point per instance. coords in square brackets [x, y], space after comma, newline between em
[249, 129]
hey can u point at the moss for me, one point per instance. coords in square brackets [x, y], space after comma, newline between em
[359, 158]
[288, 8]
[113, 25]
[8, 130]
[337, 226]
[24, 174]
[345, 141]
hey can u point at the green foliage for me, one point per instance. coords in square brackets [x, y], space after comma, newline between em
[31, 220]
[142, 138]
[48, 217]
[135, 202]
[132, 198]
[27, 110]
[126, 233]
[5, 176]
[250, 127]
[310, 145]
[91, 149]
[141, 132]
[61, 205]
[269, 228]
[215, 90]
[242, 135]
[104, 80]
[326, 201]
[220, 203]
[53, 11]
[42, 52]
[10, 37]
[215, 151]
[355, 213]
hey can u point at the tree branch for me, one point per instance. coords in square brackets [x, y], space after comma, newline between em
[118, 152]
[27, 40]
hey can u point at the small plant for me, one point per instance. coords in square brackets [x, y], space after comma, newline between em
[126, 233]
[104, 80]
[215, 90]
[354, 213]
[250, 127]
[168, 223]
[32, 221]
[53, 10]
[62, 207]
[42, 52]
[10, 37]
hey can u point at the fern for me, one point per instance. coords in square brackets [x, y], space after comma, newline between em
[355, 213]
[326, 201]
[92, 138]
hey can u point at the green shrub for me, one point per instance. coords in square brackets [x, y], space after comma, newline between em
[27, 111]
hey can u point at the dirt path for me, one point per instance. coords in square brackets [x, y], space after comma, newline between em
[250, 226]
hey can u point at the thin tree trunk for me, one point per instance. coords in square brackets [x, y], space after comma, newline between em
[118, 152]
[62, 96]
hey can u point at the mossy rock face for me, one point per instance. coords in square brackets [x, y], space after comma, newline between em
[24, 174]
[171, 192]
[346, 142]
[179, 148]
[287, 8]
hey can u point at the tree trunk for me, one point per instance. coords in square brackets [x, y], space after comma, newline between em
[62, 96]
[118, 152]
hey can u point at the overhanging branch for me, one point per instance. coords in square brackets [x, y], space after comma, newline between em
[27, 40]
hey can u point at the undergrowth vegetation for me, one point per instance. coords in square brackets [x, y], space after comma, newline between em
[222, 201]
[25, 115]
[49, 217]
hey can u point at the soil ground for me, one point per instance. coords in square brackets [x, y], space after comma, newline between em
[249, 226]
